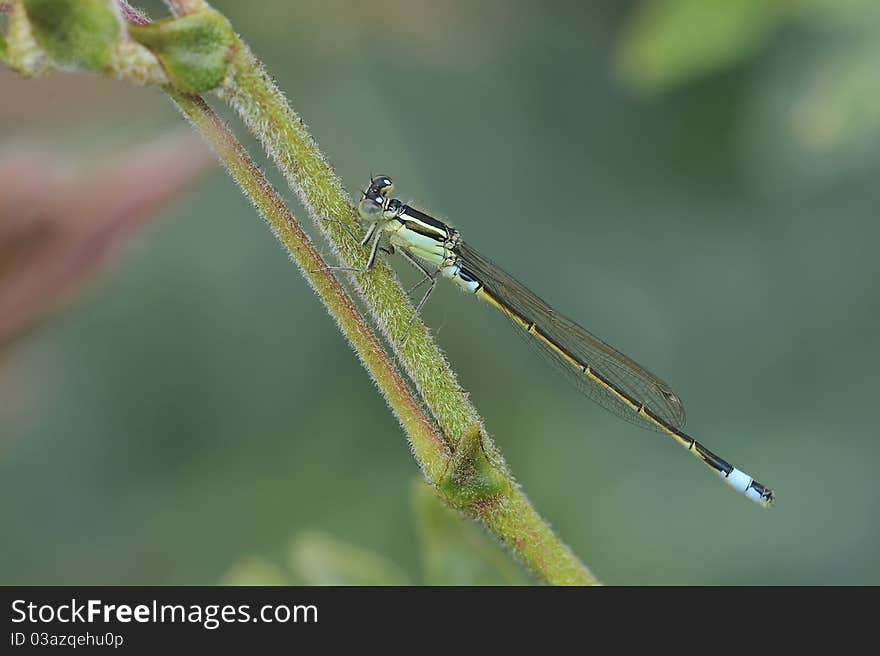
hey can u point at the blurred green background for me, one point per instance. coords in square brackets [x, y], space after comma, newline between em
[696, 185]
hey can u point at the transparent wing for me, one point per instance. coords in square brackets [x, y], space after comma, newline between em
[627, 376]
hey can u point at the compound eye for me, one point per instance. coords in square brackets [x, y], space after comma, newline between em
[382, 185]
[371, 206]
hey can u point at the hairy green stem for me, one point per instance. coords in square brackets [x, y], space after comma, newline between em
[478, 481]
[508, 514]
[261, 105]
[427, 444]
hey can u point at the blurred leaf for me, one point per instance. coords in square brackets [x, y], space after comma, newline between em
[454, 550]
[256, 571]
[837, 13]
[815, 117]
[57, 229]
[319, 559]
[80, 33]
[667, 43]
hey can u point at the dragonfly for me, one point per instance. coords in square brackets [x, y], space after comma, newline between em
[598, 370]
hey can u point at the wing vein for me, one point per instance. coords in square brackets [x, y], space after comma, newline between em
[571, 347]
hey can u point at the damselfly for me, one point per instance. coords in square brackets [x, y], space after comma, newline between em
[598, 370]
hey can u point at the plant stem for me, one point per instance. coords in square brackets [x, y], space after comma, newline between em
[426, 442]
[483, 489]
[263, 108]
[509, 516]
